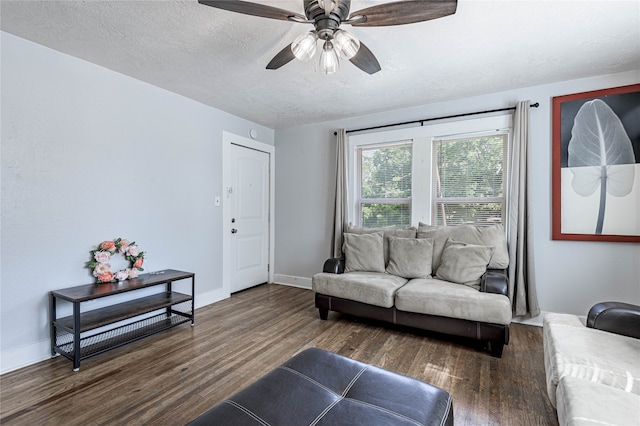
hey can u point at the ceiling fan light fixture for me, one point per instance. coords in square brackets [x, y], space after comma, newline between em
[337, 12]
[304, 46]
[346, 44]
[329, 61]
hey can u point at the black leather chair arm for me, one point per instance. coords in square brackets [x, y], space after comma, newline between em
[495, 281]
[615, 317]
[334, 266]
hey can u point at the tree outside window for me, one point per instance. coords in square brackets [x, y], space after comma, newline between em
[385, 186]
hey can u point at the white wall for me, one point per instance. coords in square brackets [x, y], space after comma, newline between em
[88, 155]
[571, 275]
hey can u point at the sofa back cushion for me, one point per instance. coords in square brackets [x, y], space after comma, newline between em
[492, 235]
[387, 232]
[410, 257]
[363, 252]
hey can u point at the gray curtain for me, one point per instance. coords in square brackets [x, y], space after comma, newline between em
[522, 280]
[340, 220]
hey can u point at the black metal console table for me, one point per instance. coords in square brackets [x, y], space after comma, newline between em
[85, 334]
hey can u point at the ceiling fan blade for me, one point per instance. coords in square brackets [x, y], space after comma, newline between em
[254, 9]
[405, 12]
[365, 60]
[282, 58]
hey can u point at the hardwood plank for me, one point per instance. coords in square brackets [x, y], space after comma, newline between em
[174, 376]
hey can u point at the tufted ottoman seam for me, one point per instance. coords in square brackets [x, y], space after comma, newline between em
[368, 404]
[353, 382]
[349, 386]
[247, 412]
[324, 412]
[449, 407]
[346, 390]
[309, 379]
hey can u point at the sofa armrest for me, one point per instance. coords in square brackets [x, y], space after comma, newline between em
[334, 266]
[495, 281]
[615, 317]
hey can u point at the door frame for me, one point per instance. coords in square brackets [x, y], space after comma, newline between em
[227, 140]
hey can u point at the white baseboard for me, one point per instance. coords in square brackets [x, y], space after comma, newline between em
[210, 297]
[292, 281]
[14, 358]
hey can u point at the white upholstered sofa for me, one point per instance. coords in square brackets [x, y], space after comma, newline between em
[593, 371]
[447, 279]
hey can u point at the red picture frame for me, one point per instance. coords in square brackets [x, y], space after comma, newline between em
[624, 101]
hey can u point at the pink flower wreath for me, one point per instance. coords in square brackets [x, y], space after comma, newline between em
[102, 255]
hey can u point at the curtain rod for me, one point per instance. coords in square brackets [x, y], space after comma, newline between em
[536, 105]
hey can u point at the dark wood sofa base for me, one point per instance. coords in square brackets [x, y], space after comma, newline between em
[496, 335]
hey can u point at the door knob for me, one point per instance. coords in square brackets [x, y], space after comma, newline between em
[234, 230]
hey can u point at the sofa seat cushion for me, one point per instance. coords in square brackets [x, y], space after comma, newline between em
[585, 403]
[571, 349]
[436, 297]
[374, 288]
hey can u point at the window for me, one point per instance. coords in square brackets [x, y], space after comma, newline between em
[384, 196]
[441, 174]
[469, 178]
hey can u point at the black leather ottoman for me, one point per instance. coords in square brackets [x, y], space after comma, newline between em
[317, 387]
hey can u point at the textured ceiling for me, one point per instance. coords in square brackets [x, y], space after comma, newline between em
[218, 57]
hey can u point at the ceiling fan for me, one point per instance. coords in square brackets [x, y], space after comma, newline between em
[327, 16]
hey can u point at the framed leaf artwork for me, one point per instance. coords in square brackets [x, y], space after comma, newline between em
[596, 165]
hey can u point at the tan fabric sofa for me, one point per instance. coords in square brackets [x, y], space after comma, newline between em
[448, 279]
[593, 375]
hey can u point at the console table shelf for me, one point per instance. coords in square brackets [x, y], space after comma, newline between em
[119, 336]
[122, 311]
[71, 335]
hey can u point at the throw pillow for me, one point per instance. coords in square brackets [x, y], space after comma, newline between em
[387, 232]
[410, 257]
[464, 263]
[363, 252]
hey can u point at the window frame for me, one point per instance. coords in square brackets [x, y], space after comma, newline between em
[422, 139]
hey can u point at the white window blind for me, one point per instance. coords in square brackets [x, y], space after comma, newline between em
[384, 195]
[469, 180]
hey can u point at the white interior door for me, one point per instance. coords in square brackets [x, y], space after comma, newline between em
[249, 227]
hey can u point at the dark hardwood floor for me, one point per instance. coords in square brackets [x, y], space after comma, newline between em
[172, 377]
